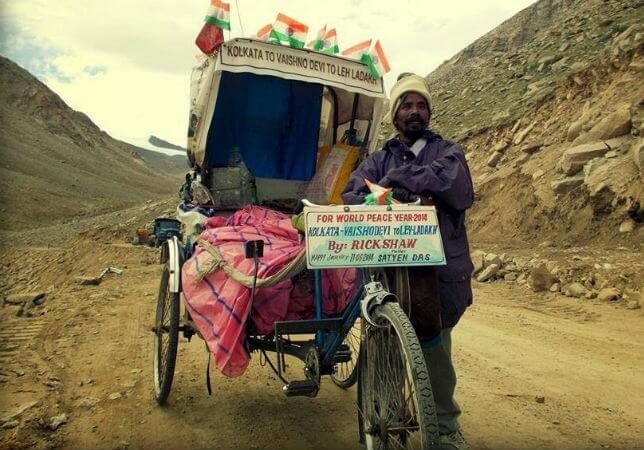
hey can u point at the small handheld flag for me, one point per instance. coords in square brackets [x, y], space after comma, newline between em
[379, 195]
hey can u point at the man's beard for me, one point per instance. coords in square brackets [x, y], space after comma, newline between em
[418, 128]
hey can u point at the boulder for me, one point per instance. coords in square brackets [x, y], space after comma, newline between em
[577, 290]
[532, 147]
[510, 277]
[602, 196]
[608, 294]
[520, 136]
[488, 273]
[521, 159]
[618, 123]
[620, 144]
[627, 226]
[492, 258]
[494, 159]
[540, 278]
[19, 299]
[566, 185]
[573, 159]
[501, 146]
[477, 259]
[574, 130]
[89, 281]
[57, 421]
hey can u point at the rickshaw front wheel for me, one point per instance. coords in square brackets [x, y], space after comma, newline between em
[166, 337]
[396, 403]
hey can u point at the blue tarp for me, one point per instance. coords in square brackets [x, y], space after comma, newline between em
[274, 122]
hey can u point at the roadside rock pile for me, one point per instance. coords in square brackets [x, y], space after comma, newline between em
[574, 278]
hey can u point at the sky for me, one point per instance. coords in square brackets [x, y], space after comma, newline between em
[126, 64]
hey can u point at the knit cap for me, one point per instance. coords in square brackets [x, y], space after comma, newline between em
[405, 84]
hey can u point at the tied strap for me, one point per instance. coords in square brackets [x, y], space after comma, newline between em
[216, 261]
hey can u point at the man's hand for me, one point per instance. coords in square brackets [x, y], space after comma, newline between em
[403, 195]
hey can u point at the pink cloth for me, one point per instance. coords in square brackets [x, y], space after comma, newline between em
[220, 306]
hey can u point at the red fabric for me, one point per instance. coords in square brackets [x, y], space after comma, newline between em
[209, 38]
[220, 306]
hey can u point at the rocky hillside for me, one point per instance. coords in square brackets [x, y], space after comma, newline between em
[57, 164]
[549, 107]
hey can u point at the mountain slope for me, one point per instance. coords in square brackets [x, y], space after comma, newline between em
[521, 62]
[549, 108]
[57, 164]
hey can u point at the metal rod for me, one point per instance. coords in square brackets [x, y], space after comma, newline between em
[319, 335]
[356, 99]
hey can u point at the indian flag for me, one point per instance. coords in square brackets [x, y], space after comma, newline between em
[330, 43]
[219, 14]
[357, 50]
[318, 42]
[264, 32]
[289, 30]
[377, 61]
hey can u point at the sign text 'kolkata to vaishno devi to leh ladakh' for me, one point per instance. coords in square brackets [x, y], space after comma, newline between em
[270, 56]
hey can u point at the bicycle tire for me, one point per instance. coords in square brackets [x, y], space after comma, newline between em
[345, 374]
[166, 337]
[394, 380]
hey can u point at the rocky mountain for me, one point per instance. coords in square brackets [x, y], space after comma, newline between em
[57, 164]
[549, 107]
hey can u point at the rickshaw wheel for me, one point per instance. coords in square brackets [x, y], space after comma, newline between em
[345, 374]
[396, 404]
[166, 337]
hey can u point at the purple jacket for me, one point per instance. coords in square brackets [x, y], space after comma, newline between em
[440, 171]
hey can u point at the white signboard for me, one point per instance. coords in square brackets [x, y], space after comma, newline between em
[246, 55]
[372, 236]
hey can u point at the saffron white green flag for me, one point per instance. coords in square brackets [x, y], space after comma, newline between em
[219, 14]
[318, 42]
[330, 43]
[357, 50]
[264, 32]
[289, 31]
[377, 61]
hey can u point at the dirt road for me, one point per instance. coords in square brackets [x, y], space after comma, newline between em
[85, 358]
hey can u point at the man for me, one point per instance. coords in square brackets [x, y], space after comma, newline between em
[420, 163]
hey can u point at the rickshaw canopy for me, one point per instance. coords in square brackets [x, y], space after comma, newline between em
[278, 105]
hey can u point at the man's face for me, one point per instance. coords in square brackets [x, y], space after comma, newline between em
[413, 115]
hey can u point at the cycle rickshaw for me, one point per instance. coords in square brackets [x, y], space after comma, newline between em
[279, 105]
